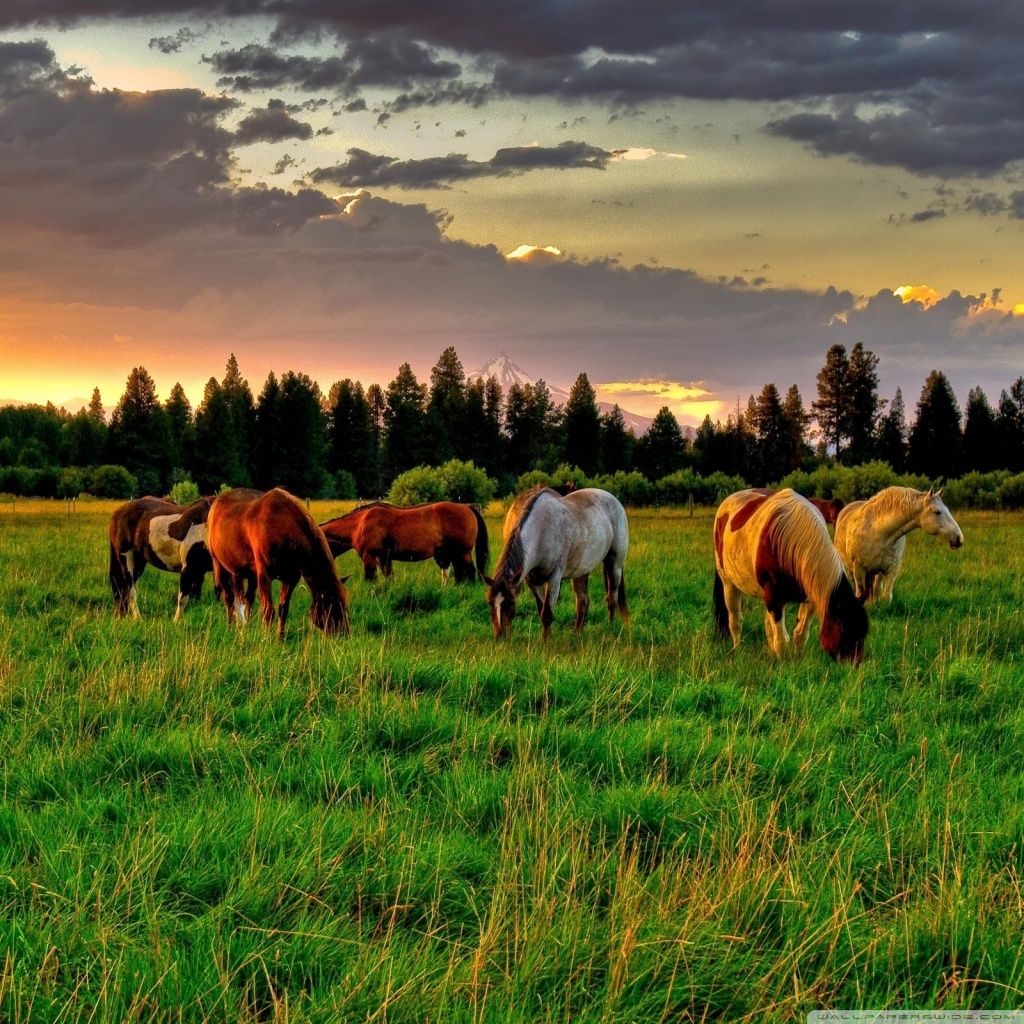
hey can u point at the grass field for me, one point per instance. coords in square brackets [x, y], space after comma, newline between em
[419, 824]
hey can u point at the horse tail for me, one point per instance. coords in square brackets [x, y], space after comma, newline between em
[721, 610]
[119, 586]
[621, 595]
[483, 550]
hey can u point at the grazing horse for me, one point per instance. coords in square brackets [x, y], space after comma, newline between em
[828, 507]
[381, 533]
[257, 537]
[158, 532]
[871, 535]
[776, 547]
[549, 538]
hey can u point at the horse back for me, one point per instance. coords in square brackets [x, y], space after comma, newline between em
[129, 522]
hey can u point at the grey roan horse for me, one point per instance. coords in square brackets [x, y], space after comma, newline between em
[549, 538]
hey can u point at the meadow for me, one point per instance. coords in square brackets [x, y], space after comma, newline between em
[420, 824]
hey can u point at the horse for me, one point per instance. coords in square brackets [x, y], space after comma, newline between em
[549, 538]
[255, 538]
[871, 535]
[828, 507]
[381, 533]
[157, 532]
[776, 547]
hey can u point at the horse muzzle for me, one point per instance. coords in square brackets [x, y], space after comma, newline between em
[956, 542]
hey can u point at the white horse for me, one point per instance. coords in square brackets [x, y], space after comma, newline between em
[871, 536]
[775, 547]
[549, 538]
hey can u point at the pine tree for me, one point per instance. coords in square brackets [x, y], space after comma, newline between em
[214, 456]
[662, 450]
[350, 435]
[797, 421]
[96, 410]
[180, 428]
[238, 396]
[981, 434]
[935, 439]
[138, 438]
[772, 440]
[891, 441]
[302, 435]
[404, 423]
[446, 409]
[617, 442]
[377, 403]
[268, 455]
[863, 403]
[1011, 426]
[832, 407]
[582, 427]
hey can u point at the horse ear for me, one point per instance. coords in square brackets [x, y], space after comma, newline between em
[487, 579]
[344, 579]
[938, 493]
[517, 577]
[931, 491]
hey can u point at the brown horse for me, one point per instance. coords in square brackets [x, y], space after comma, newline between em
[828, 507]
[258, 537]
[381, 533]
[157, 532]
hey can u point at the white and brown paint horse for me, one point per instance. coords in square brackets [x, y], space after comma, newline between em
[550, 538]
[158, 532]
[776, 547]
[871, 535]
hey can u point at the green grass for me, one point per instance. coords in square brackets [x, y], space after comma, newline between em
[419, 824]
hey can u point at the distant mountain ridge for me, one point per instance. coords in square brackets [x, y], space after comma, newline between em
[507, 373]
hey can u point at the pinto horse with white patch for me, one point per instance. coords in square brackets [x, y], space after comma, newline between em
[256, 538]
[776, 547]
[158, 532]
[871, 536]
[549, 538]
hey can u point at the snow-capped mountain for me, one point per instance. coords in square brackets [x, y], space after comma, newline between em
[508, 373]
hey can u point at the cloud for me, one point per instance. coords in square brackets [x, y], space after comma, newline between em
[272, 123]
[534, 255]
[365, 169]
[173, 44]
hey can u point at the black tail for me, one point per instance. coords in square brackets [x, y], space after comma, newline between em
[119, 584]
[483, 549]
[623, 607]
[721, 611]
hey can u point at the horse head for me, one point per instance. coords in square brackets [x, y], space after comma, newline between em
[937, 520]
[844, 625]
[329, 611]
[501, 596]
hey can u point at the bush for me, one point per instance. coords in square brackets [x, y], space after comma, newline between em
[975, 490]
[344, 486]
[454, 481]
[564, 474]
[184, 492]
[113, 482]
[70, 482]
[677, 488]
[1011, 492]
[19, 480]
[630, 488]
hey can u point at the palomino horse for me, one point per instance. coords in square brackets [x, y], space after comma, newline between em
[381, 533]
[158, 532]
[256, 538]
[549, 538]
[828, 507]
[871, 535]
[776, 547]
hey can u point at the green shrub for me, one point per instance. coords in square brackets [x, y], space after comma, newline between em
[975, 490]
[677, 488]
[70, 482]
[112, 482]
[630, 488]
[344, 486]
[454, 481]
[1011, 492]
[184, 492]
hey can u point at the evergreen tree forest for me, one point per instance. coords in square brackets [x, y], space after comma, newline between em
[353, 441]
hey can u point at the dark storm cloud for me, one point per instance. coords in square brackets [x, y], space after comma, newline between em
[272, 123]
[26, 67]
[364, 169]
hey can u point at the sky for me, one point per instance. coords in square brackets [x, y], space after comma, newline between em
[685, 200]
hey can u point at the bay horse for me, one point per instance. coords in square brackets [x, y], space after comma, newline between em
[155, 531]
[871, 535]
[828, 507]
[450, 532]
[256, 538]
[549, 538]
[776, 547]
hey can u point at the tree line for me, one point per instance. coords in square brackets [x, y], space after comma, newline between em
[353, 442]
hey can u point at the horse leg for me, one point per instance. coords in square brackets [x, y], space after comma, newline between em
[803, 620]
[734, 605]
[615, 588]
[265, 585]
[283, 602]
[119, 583]
[135, 566]
[369, 566]
[581, 588]
[547, 611]
[224, 583]
[775, 628]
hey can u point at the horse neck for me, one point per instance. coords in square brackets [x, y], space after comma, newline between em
[810, 557]
[319, 575]
[899, 518]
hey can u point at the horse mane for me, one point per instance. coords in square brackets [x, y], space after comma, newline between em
[803, 548]
[195, 512]
[894, 499]
[512, 553]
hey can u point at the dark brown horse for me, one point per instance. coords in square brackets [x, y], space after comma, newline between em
[157, 532]
[828, 507]
[257, 537]
[447, 531]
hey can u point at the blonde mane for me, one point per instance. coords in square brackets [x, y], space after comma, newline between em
[893, 500]
[512, 553]
[803, 547]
